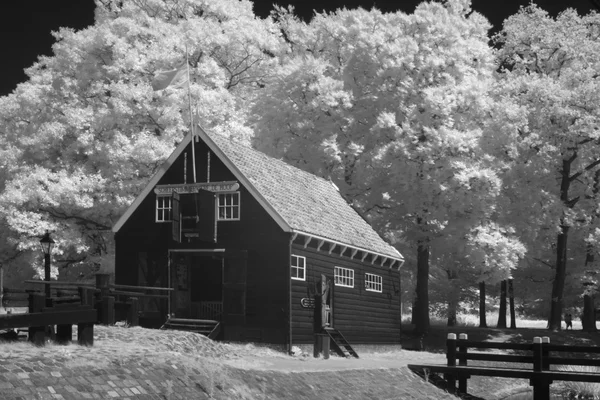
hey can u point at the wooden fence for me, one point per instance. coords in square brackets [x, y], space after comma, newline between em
[538, 361]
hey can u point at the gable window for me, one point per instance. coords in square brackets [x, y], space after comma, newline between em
[373, 283]
[344, 277]
[163, 209]
[228, 206]
[298, 268]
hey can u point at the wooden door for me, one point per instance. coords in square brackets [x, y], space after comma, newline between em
[234, 288]
[180, 276]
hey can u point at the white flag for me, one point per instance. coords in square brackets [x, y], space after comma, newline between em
[175, 77]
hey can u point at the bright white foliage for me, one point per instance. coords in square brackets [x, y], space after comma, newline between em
[83, 135]
[395, 108]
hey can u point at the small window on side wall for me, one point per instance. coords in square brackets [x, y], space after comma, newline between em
[163, 209]
[298, 268]
[344, 277]
[228, 206]
[373, 283]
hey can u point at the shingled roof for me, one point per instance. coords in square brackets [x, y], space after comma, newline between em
[300, 202]
[306, 202]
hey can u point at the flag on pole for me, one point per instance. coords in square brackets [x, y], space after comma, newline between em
[174, 77]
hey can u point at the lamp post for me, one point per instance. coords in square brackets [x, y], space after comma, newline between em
[47, 243]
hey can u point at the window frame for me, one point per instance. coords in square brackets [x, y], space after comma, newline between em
[339, 277]
[297, 267]
[166, 199]
[231, 206]
[371, 284]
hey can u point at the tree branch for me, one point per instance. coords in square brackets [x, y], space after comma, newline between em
[590, 166]
[81, 220]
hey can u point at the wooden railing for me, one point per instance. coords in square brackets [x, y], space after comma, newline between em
[543, 357]
[211, 310]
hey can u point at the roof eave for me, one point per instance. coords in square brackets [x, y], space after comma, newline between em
[396, 257]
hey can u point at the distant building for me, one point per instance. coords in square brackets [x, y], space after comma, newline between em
[252, 243]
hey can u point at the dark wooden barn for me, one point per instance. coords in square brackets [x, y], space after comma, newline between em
[252, 244]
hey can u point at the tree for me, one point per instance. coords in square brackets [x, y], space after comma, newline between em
[393, 108]
[86, 131]
[549, 68]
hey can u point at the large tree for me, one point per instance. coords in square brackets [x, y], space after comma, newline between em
[85, 132]
[393, 108]
[549, 67]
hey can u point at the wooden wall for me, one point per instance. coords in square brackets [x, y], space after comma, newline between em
[267, 296]
[362, 316]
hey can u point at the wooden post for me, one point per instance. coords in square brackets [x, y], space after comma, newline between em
[64, 333]
[545, 354]
[462, 361]
[102, 281]
[85, 334]
[37, 301]
[541, 385]
[133, 318]
[107, 311]
[451, 358]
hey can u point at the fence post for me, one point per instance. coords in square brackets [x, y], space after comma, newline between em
[545, 353]
[462, 361]
[133, 318]
[107, 311]
[451, 357]
[541, 385]
[102, 281]
[37, 301]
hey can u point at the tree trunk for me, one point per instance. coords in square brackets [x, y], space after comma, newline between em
[482, 317]
[554, 323]
[421, 309]
[502, 311]
[588, 320]
[413, 311]
[511, 299]
[452, 306]
[558, 286]
[453, 297]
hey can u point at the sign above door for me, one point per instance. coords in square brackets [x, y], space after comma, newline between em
[184, 188]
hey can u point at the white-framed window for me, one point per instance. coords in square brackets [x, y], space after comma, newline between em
[163, 209]
[228, 206]
[373, 283]
[344, 277]
[298, 268]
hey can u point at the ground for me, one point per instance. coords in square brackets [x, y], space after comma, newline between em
[138, 363]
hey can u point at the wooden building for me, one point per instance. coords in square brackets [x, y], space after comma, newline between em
[252, 244]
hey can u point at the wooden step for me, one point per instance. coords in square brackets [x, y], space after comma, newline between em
[204, 327]
[341, 345]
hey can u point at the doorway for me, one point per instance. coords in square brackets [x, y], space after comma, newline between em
[197, 283]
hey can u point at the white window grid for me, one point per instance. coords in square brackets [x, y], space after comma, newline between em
[164, 209]
[344, 277]
[298, 268]
[228, 206]
[373, 283]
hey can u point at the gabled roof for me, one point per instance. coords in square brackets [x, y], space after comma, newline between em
[298, 201]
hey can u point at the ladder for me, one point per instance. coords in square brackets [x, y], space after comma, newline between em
[205, 327]
[341, 345]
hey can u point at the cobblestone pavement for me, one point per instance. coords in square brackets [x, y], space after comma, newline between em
[142, 364]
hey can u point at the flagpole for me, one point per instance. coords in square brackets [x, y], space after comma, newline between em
[187, 64]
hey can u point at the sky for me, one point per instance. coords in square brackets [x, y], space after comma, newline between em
[26, 25]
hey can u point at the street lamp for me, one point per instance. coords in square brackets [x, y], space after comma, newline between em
[47, 243]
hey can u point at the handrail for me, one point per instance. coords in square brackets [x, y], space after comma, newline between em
[62, 283]
[138, 287]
